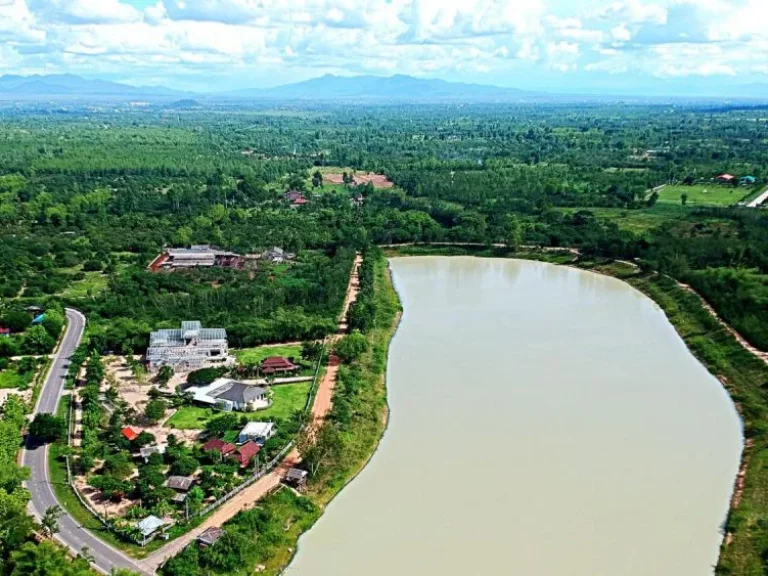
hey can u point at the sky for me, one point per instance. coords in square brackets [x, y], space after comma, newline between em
[640, 46]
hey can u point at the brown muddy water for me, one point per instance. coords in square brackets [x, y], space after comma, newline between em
[544, 421]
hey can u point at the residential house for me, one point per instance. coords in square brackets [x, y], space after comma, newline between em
[259, 432]
[219, 446]
[295, 198]
[245, 453]
[147, 451]
[188, 348]
[210, 536]
[747, 180]
[149, 526]
[725, 178]
[130, 433]
[229, 395]
[277, 365]
[276, 255]
[296, 477]
[182, 485]
[5, 332]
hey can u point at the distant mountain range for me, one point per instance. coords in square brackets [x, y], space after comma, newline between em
[328, 87]
[399, 87]
[370, 89]
[68, 85]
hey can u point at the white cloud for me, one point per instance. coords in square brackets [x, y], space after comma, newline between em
[231, 40]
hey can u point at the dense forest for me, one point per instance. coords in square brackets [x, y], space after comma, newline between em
[90, 195]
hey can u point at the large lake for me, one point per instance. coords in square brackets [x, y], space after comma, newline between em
[544, 422]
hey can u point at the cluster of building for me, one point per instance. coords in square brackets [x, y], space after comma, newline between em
[206, 256]
[731, 179]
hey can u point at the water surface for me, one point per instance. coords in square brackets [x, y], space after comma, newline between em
[544, 421]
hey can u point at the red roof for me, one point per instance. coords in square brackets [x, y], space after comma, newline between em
[726, 177]
[218, 445]
[5, 330]
[246, 452]
[300, 201]
[130, 433]
[277, 362]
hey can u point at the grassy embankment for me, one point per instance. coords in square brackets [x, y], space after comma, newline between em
[745, 550]
[282, 516]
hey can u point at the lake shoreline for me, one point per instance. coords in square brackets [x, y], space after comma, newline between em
[681, 314]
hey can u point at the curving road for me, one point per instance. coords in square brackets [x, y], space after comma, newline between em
[71, 534]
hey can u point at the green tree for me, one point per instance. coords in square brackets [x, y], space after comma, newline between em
[317, 179]
[513, 236]
[37, 341]
[155, 410]
[684, 198]
[49, 523]
[351, 347]
[164, 375]
[47, 427]
[311, 350]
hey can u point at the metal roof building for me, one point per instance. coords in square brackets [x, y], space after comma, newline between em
[189, 347]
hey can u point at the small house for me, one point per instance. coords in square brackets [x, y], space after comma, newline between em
[276, 255]
[182, 485]
[219, 446]
[245, 453]
[747, 180]
[210, 536]
[147, 451]
[148, 527]
[4, 332]
[296, 477]
[725, 178]
[259, 432]
[295, 198]
[277, 365]
[130, 433]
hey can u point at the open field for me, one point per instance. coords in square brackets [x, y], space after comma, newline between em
[93, 284]
[637, 221]
[256, 355]
[702, 195]
[288, 398]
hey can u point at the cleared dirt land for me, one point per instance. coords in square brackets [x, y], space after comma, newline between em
[378, 180]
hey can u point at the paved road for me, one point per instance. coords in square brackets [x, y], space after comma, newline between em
[759, 200]
[71, 534]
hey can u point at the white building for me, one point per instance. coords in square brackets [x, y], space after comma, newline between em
[259, 432]
[189, 348]
[229, 395]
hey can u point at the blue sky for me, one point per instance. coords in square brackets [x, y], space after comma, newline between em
[637, 46]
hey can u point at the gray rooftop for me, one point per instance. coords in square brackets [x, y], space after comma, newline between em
[235, 391]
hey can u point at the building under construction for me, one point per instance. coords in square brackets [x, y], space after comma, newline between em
[201, 255]
[188, 348]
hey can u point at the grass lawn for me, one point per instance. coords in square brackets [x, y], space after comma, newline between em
[92, 284]
[10, 378]
[256, 355]
[288, 398]
[703, 195]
